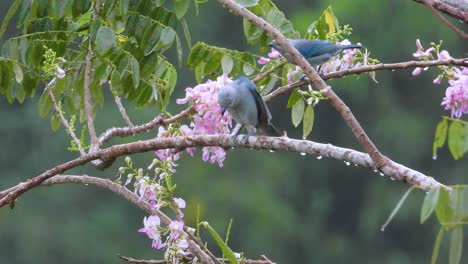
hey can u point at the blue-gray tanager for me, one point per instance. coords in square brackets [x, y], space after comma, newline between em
[243, 102]
[316, 52]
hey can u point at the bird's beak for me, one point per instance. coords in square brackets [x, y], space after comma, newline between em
[271, 44]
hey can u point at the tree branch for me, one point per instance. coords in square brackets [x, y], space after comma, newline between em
[130, 131]
[430, 4]
[150, 261]
[370, 68]
[378, 159]
[391, 169]
[122, 111]
[448, 8]
[88, 103]
[64, 120]
[206, 257]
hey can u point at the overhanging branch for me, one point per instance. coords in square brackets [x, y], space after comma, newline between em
[391, 169]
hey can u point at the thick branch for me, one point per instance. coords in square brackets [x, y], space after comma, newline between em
[391, 169]
[151, 261]
[206, 257]
[430, 5]
[378, 159]
[370, 68]
[448, 8]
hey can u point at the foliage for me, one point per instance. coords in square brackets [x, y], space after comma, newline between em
[126, 44]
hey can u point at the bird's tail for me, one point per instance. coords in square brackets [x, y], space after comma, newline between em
[353, 46]
[271, 130]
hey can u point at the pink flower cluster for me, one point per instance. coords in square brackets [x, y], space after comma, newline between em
[152, 230]
[272, 55]
[208, 119]
[456, 95]
[344, 62]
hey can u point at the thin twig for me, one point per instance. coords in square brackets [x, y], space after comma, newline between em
[270, 71]
[370, 68]
[130, 131]
[64, 120]
[429, 4]
[448, 9]
[392, 169]
[122, 111]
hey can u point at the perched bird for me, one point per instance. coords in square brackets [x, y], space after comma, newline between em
[243, 102]
[316, 52]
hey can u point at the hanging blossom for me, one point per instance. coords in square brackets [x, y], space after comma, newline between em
[456, 95]
[208, 119]
[272, 55]
[348, 60]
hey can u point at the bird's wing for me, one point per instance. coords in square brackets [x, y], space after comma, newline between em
[263, 113]
[313, 48]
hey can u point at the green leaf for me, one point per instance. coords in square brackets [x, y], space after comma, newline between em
[440, 136]
[430, 203]
[456, 245]
[295, 96]
[115, 83]
[11, 12]
[45, 104]
[437, 243]
[179, 50]
[308, 121]
[456, 138]
[151, 38]
[181, 7]
[270, 85]
[247, 69]
[397, 208]
[105, 40]
[297, 112]
[135, 72]
[186, 33]
[24, 12]
[18, 73]
[444, 212]
[167, 38]
[224, 248]
[55, 121]
[247, 3]
[227, 63]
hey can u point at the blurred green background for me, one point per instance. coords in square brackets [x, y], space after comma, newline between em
[293, 209]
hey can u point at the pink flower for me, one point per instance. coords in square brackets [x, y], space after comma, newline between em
[180, 203]
[176, 227]
[263, 60]
[151, 229]
[443, 55]
[420, 50]
[417, 71]
[437, 80]
[456, 97]
[274, 54]
[208, 119]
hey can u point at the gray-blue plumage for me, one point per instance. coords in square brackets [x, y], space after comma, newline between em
[316, 52]
[246, 106]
